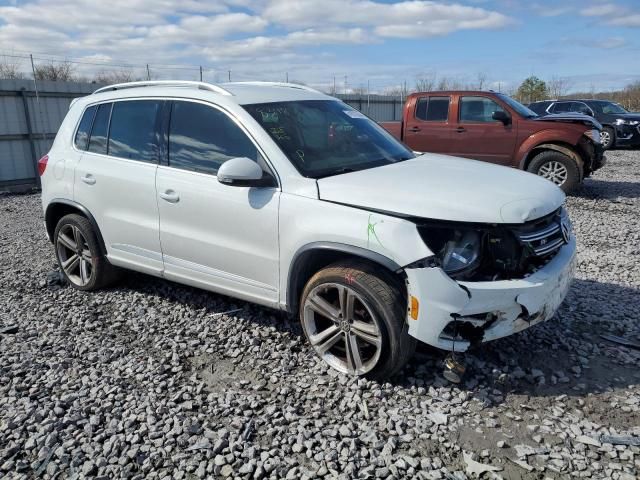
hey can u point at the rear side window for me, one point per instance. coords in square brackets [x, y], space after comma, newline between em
[433, 109]
[478, 109]
[201, 138]
[132, 134]
[84, 129]
[562, 107]
[100, 130]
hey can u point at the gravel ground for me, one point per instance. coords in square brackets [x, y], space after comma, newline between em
[155, 380]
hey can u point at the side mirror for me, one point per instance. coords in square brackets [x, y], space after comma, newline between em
[501, 116]
[240, 172]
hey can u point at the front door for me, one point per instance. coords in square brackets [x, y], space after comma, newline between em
[477, 135]
[215, 236]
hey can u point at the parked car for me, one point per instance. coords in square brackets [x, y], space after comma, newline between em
[495, 128]
[283, 196]
[620, 128]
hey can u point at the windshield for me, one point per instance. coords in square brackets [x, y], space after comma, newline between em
[612, 108]
[326, 137]
[517, 106]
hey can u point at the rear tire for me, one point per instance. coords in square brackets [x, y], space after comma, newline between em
[607, 138]
[79, 255]
[354, 316]
[557, 168]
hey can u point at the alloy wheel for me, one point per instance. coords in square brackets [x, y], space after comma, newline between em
[605, 138]
[554, 171]
[342, 328]
[74, 254]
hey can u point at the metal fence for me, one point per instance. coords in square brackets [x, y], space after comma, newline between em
[28, 125]
[29, 122]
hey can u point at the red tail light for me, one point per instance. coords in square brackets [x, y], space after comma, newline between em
[42, 164]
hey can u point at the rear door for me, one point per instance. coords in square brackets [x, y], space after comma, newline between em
[477, 135]
[427, 128]
[115, 180]
[215, 236]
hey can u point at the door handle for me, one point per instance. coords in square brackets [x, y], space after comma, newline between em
[88, 179]
[461, 130]
[414, 129]
[170, 196]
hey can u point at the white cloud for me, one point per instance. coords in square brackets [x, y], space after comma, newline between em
[626, 21]
[603, 10]
[411, 18]
[613, 15]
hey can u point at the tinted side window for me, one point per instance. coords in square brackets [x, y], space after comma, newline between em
[133, 130]
[433, 109]
[98, 140]
[580, 107]
[562, 107]
[84, 129]
[478, 109]
[201, 138]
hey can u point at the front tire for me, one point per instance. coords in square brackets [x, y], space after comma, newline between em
[354, 317]
[79, 255]
[607, 138]
[557, 168]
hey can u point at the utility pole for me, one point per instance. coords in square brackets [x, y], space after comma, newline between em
[286, 74]
[229, 75]
[148, 73]
[334, 85]
[368, 93]
[345, 84]
[200, 72]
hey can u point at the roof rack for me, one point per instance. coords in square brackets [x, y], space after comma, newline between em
[278, 84]
[165, 83]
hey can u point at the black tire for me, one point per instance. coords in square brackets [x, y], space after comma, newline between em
[383, 295]
[608, 140]
[543, 163]
[101, 273]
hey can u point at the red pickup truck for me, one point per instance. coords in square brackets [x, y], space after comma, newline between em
[495, 128]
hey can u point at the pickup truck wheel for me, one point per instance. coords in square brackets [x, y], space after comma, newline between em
[79, 256]
[557, 168]
[354, 317]
[607, 137]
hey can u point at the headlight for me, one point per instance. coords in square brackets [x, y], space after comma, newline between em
[624, 121]
[457, 249]
[461, 252]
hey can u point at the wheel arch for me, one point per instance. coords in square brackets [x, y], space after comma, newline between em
[312, 257]
[59, 207]
[566, 149]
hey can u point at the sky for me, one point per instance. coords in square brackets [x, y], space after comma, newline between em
[591, 45]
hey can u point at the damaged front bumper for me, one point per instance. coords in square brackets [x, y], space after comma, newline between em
[453, 314]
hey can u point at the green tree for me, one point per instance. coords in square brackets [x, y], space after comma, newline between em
[532, 90]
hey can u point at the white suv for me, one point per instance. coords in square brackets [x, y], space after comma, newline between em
[283, 196]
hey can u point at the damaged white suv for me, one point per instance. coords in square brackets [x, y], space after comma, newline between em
[283, 196]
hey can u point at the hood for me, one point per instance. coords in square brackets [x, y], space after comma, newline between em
[627, 116]
[571, 118]
[446, 188]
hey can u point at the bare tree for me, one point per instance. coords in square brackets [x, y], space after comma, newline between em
[10, 69]
[60, 71]
[481, 78]
[426, 83]
[114, 76]
[558, 87]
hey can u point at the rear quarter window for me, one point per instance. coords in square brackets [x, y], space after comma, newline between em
[84, 129]
[100, 130]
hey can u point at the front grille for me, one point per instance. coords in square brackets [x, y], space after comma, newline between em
[542, 237]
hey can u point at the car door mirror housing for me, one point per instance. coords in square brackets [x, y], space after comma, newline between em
[501, 116]
[242, 172]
